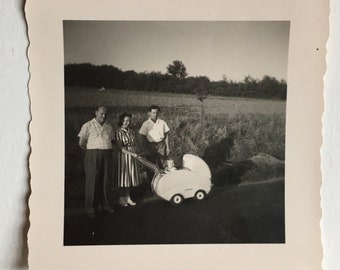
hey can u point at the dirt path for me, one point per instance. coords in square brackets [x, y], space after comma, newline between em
[240, 214]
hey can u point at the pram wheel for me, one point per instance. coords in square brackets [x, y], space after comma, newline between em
[177, 199]
[200, 195]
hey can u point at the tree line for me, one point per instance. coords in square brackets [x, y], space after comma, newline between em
[174, 81]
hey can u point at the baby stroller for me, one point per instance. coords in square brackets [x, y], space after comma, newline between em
[192, 181]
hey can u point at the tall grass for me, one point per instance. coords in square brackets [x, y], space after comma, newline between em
[189, 133]
[231, 129]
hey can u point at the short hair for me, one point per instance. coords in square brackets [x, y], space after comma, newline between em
[121, 118]
[101, 107]
[97, 109]
[154, 107]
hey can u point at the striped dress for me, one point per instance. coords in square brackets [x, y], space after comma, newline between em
[127, 171]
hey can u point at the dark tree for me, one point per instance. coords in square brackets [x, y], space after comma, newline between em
[177, 69]
[175, 81]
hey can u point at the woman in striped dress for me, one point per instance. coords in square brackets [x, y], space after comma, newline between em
[127, 169]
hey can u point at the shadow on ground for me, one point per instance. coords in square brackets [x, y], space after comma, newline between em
[251, 213]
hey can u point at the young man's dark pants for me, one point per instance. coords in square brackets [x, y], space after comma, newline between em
[156, 153]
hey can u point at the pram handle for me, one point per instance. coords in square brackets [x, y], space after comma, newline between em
[149, 164]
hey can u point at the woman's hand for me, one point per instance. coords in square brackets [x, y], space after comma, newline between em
[134, 155]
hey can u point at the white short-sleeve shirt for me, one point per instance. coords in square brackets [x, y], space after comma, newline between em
[97, 136]
[154, 131]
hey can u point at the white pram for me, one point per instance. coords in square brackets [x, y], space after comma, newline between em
[192, 181]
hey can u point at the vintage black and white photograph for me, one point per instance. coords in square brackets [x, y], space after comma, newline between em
[175, 132]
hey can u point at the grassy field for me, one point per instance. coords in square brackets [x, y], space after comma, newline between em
[80, 97]
[231, 129]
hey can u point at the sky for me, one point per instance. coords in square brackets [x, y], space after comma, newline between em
[214, 49]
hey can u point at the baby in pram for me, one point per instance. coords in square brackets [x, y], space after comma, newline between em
[169, 166]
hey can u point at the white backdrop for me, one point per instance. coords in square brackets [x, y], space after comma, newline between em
[14, 139]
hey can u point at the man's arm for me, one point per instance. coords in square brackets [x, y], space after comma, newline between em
[143, 143]
[82, 143]
[83, 135]
[166, 140]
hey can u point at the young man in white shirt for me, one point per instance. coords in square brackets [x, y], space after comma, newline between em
[95, 137]
[155, 139]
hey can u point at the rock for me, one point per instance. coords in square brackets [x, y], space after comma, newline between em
[266, 167]
[265, 160]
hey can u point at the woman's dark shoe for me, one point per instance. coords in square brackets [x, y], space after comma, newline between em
[109, 209]
[122, 202]
[91, 213]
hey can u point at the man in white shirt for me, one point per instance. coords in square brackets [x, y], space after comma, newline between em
[95, 137]
[155, 139]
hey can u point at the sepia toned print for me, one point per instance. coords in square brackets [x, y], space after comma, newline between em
[286, 47]
[222, 100]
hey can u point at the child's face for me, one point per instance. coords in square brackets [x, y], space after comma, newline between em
[171, 163]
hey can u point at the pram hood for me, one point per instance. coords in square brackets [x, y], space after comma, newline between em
[190, 162]
[196, 164]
